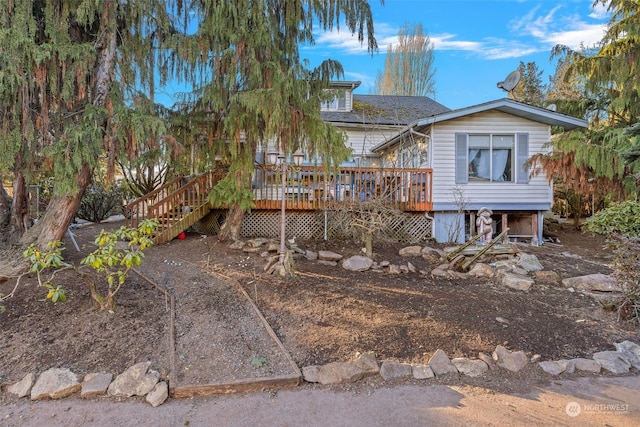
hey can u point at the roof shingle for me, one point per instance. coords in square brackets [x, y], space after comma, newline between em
[386, 110]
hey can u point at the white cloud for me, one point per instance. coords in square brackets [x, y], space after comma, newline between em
[343, 42]
[448, 42]
[587, 35]
[554, 28]
[600, 11]
[507, 51]
[531, 24]
[367, 80]
[536, 31]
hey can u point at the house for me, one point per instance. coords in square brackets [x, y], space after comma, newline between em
[440, 166]
[479, 157]
[369, 120]
[475, 157]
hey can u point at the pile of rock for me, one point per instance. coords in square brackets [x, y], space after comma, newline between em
[57, 383]
[519, 272]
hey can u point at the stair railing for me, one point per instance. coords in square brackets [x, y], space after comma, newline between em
[183, 207]
[138, 210]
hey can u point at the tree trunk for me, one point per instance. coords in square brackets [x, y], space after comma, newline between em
[368, 244]
[20, 204]
[230, 230]
[59, 214]
[62, 209]
[5, 206]
[232, 226]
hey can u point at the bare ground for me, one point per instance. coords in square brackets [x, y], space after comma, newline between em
[320, 315]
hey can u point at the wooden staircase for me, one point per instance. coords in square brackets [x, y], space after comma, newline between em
[176, 206]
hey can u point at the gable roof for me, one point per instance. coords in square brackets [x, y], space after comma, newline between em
[386, 110]
[515, 108]
[505, 105]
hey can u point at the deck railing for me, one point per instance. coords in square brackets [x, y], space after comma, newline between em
[307, 188]
[311, 188]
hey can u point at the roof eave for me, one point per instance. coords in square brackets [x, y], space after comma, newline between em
[514, 108]
[508, 106]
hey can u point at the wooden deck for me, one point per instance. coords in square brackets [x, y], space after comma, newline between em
[182, 202]
[309, 188]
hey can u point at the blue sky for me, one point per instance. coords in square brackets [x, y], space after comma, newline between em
[476, 42]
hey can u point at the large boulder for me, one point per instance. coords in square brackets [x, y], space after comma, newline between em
[23, 387]
[440, 363]
[612, 361]
[470, 367]
[597, 282]
[410, 251]
[391, 370]
[363, 366]
[95, 384]
[329, 256]
[529, 262]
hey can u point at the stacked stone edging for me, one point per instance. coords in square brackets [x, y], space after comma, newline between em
[139, 380]
[618, 362]
[58, 383]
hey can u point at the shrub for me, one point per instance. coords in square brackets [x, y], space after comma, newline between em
[113, 262]
[621, 223]
[620, 218]
[100, 202]
[627, 273]
[49, 258]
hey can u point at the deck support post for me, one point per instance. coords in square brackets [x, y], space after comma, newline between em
[283, 218]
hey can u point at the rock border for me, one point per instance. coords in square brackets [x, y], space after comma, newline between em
[617, 362]
[139, 380]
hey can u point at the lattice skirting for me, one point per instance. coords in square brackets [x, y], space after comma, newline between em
[408, 228]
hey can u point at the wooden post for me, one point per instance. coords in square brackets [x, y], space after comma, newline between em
[472, 224]
[504, 228]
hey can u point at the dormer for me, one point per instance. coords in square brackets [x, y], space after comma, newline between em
[343, 96]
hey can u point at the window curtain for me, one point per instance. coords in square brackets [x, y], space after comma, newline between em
[481, 162]
[500, 158]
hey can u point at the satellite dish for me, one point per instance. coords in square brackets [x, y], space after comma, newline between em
[552, 107]
[510, 82]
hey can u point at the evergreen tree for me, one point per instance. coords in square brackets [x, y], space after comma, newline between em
[59, 100]
[252, 88]
[609, 76]
[530, 88]
[408, 66]
[600, 84]
[64, 112]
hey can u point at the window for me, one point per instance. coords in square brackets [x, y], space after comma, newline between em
[492, 158]
[338, 103]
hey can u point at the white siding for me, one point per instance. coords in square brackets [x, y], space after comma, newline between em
[537, 192]
[361, 141]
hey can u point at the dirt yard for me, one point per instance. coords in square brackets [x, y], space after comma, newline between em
[320, 315]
